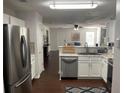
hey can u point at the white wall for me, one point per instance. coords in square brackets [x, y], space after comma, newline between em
[53, 40]
[9, 11]
[34, 23]
[30, 21]
[116, 66]
[58, 35]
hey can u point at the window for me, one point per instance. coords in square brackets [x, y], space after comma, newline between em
[90, 38]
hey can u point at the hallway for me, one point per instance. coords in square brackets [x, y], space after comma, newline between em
[49, 81]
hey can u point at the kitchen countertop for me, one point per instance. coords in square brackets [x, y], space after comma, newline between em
[105, 55]
[75, 54]
[78, 47]
[68, 46]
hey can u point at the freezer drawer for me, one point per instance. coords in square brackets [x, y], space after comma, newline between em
[22, 87]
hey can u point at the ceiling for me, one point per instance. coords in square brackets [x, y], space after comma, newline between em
[105, 10]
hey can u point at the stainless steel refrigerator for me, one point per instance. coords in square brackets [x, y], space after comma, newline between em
[16, 59]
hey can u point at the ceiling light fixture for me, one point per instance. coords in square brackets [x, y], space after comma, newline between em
[76, 27]
[73, 6]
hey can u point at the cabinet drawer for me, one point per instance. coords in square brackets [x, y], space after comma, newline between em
[87, 58]
[95, 58]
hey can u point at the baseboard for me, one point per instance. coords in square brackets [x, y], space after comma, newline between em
[89, 78]
[37, 76]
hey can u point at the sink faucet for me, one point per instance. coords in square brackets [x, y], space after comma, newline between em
[86, 45]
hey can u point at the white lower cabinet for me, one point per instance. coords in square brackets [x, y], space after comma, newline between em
[95, 69]
[93, 66]
[104, 70]
[32, 70]
[90, 67]
[83, 69]
[33, 66]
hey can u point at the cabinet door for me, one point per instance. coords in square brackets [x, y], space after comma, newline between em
[33, 70]
[32, 66]
[40, 61]
[6, 19]
[104, 71]
[95, 69]
[83, 69]
[16, 21]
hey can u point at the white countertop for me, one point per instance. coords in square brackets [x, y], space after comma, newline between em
[81, 46]
[77, 47]
[73, 46]
[68, 54]
[74, 54]
[107, 55]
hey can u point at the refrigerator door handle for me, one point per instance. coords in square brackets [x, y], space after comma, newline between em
[20, 83]
[23, 51]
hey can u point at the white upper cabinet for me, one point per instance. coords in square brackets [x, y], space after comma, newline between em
[6, 19]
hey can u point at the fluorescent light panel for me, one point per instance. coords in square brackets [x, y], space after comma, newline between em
[74, 6]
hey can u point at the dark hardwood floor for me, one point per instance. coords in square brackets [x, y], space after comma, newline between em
[49, 81]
